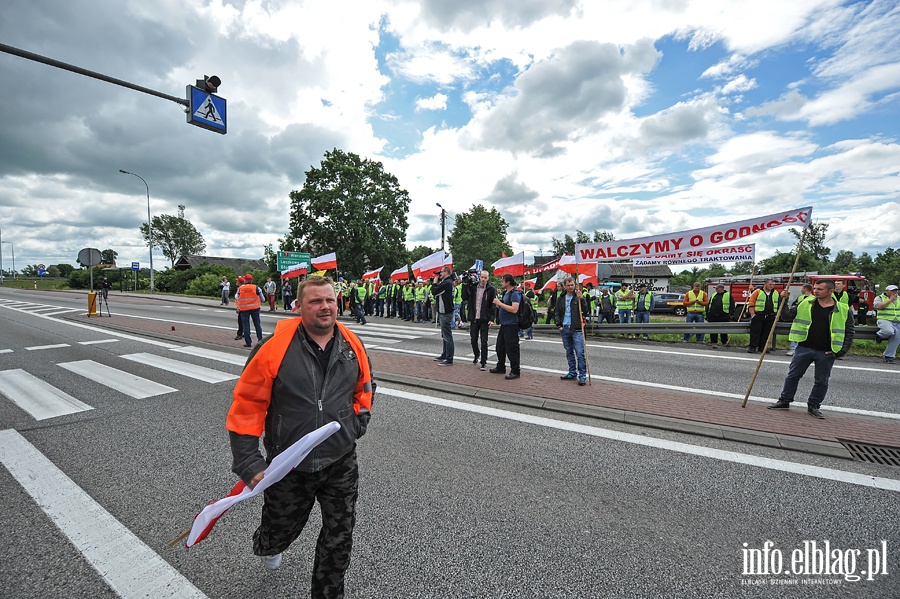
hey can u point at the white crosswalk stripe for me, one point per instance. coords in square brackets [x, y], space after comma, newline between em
[124, 382]
[39, 398]
[187, 369]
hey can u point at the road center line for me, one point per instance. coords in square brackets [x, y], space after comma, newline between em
[875, 482]
[125, 562]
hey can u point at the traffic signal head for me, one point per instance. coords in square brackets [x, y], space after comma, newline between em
[209, 84]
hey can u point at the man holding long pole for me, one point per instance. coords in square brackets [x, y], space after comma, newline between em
[567, 316]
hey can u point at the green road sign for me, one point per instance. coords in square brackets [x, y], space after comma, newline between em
[287, 259]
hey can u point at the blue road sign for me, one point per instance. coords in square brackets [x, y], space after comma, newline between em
[135, 266]
[479, 265]
[42, 272]
[206, 110]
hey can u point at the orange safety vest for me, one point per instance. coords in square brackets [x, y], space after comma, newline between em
[247, 298]
[253, 391]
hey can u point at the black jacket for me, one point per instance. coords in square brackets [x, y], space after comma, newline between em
[487, 303]
[559, 311]
[443, 292]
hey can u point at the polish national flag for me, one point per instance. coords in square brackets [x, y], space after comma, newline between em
[530, 283]
[567, 264]
[294, 271]
[551, 285]
[448, 261]
[325, 262]
[514, 265]
[372, 274]
[400, 273]
[427, 265]
[585, 279]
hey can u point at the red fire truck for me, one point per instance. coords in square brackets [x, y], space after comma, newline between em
[741, 287]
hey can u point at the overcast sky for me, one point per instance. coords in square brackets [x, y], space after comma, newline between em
[636, 117]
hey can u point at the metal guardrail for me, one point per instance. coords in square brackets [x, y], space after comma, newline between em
[681, 328]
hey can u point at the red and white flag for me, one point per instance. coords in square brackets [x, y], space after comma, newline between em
[294, 271]
[585, 279]
[530, 283]
[448, 261]
[281, 464]
[372, 274]
[567, 264]
[551, 285]
[400, 274]
[690, 241]
[427, 265]
[325, 262]
[514, 265]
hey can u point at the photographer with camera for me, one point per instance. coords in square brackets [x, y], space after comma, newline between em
[442, 290]
[480, 296]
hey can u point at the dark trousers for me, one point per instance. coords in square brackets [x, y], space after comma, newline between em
[478, 330]
[410, 311]
[803, 357]
[360, 313]
[246, 315]
[288, 298]
[607, 316]
[760, 325]
[240, 331]
[508, 345]
[714, 337]
[379, 307]
[286, 510]
[446, 319]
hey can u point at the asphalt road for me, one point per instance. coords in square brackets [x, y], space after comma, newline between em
[458, 499]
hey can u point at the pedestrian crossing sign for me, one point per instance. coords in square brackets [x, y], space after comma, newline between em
[206, 110]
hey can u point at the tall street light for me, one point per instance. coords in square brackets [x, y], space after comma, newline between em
[443, 220]
[149, 225]
[1, 257]
[13, 254]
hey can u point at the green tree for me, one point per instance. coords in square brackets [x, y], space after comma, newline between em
[109, 257]
[603, 236]
[30, 271]
[566, 245]
[64, 269]
[417, 253]
[887, 268]
[478, 234]
[175, 236]
[352, 207]
[783, 262]
[843, 263]
[814, 242]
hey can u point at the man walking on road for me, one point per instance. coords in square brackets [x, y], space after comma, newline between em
[282, 391]
[442, 289]
[823, 330]
[481, 316]
[568, 315]
[762, 305]
[888, 307]
[248, 300]
[508, 337]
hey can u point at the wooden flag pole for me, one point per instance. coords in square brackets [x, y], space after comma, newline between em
[777, 315]
[587, 361]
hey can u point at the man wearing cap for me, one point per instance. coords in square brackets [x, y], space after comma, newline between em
[643, 303]
[888, 307]
[823, 330]
[720, 309]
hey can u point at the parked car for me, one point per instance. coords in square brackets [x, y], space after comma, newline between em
[670, 303]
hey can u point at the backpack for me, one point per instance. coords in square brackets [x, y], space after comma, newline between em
[525, 312]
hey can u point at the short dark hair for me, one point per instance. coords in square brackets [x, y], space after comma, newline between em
[508, 278]
[312, 281]
[829, 284]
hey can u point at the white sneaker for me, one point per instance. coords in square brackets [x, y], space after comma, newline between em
[789, 352]
[271, 562]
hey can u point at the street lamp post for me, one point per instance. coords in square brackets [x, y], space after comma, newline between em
[443, 220]
[1, 256]
[13, 255]
[149, 225]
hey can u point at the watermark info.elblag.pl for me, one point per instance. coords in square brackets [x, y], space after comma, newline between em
[812, 563]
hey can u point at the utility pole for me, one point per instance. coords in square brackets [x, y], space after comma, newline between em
[443, 221]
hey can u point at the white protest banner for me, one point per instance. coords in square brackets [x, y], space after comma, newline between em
[686, 241]
[728, 253]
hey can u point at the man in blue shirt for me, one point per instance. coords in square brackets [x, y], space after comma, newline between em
[508, 336]
[568, 313]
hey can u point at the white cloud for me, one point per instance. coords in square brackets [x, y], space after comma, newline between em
[436, 102]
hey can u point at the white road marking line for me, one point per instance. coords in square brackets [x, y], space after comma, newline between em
[888, 484]
[219, 356]
[55, 346]
[366, 338]
[123, 382]
[185, 322]
[125, 562]
[6, 351]
[98, 341]
[39, 398]
[187, 369]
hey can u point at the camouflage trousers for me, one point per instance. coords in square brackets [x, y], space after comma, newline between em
[286, 510]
